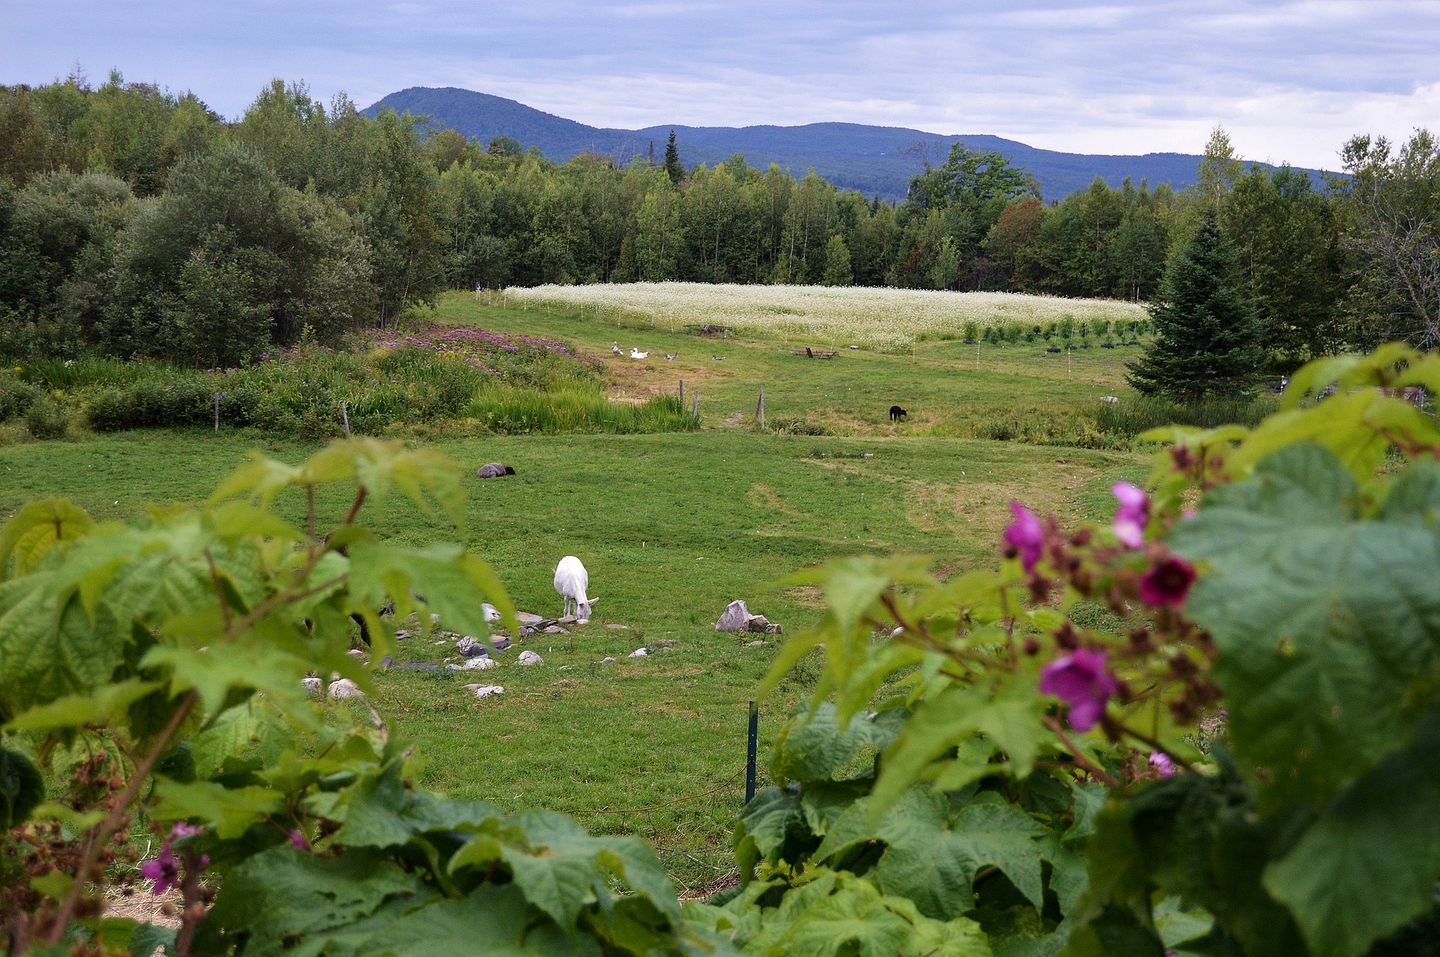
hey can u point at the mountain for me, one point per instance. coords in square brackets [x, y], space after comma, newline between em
[876, 160]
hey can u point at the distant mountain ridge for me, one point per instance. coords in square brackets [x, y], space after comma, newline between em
[875, 160]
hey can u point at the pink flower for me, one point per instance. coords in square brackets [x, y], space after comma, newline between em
[1161, 764]
[297, 840]
[1132, 515]
[1167, 582]
[1025, 535]
[1080, 680]
[164, 870]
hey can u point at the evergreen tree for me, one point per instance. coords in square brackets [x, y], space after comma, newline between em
[838, 271]
[672, 160]
[1207, 333]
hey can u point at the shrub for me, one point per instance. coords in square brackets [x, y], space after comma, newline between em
[47, 418]
[16, 396]
[516, 409]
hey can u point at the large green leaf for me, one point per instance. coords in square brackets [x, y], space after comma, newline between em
[1372, 860]
[454, 583]
[493, 921]
[229, 811]
[380, 811]
[812, 747]
[1324, 620]
[35, 529]
[21, 788]
[47, 654]
[932, 857]
[74, 711]
[766, 827]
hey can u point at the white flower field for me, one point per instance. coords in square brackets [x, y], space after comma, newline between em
[886, 319]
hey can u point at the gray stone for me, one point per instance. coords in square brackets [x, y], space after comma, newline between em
[557, 630]
[485, 691]
[476, 664]
[494, 470]
[757, 623]
[526, 618]
[736, 617]
[345, 688]
[638, 653]
[607, 659]
[312, 685]
[616, 626]
[529, 658]
[759, 643]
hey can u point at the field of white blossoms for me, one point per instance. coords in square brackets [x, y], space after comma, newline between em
[886, 319]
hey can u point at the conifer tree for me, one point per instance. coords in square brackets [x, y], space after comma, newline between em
[1207, 332]
[672, 160]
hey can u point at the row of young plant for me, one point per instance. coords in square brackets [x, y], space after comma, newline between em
[1205, 727]
[1105, 331]
[383, 381]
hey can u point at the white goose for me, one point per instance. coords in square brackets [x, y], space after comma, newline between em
[637, 354]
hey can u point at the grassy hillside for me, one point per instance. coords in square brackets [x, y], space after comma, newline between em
[672, 527]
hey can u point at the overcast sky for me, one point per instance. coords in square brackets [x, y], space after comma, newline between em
[1290, 81]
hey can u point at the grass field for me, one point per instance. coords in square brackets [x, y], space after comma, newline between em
[830, 316]
[672, 527]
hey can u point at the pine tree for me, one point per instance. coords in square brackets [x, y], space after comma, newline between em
[1207, 332]
[672, 160]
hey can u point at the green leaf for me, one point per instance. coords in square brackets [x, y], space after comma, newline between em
[765, 827]
[36, 529]
[45, 654]
[454, 583]
[1371, 861]
[229, 811]
[147, 938]
[281, 897]
[811, 747]
[493, 921]
[53, 884]
[213, 673]
[1324, 621]
[21, 788]
[74, 711]
[379, 811]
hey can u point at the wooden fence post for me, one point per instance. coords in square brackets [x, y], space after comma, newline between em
[682, 393]
[695, 393]
[217, 412]
[344, 417]
[760, 409]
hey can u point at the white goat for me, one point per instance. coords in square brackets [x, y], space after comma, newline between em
[571, 581]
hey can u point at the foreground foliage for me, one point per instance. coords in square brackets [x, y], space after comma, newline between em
[152, 678]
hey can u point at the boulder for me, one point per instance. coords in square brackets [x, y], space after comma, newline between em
[312, 685]
[736, 617]
[476, 664]
[526, 618]
[494, 470]
[757, 623]
[485, 691]
[556, 630]
[345, 688]
[638, 653]
[606, 660]
[529, 658]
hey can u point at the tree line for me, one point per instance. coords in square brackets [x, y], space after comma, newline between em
[139, 222]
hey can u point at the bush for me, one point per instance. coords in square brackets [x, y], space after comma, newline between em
[1132, 416]
[516, 410]
[47, 418]
[16, 396]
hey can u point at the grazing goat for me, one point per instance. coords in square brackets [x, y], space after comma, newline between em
[494, 470]
[571, 581]
[897, 413]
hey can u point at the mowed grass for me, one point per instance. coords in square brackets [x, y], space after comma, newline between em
[672, 527]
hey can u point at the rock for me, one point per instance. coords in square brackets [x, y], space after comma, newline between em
[419, 665]
[757, 623]
[1109, 399]
[735, 618]
[758, 643]
[434, 619]
[499, 642]
[490, 612]
[494, 470]
[527, 631]
[606, 660]
[475, 664]
[638, 653]
[526, 618]
[774, 629]
[470, 646]
[345, 688]
[401, 633]
[666, 642]
[616, 626]
[312, 685]
[557, 630]
[358, 653]
[566, 620]
[485, 691]
[529, 658]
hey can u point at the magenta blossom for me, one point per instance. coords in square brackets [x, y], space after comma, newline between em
[297, 840]
[1132, 515]
[1026, 535]
[1161, 764]
[1080, 679]
[1167, 582]
[164, 870]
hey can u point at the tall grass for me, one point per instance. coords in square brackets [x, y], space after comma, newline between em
[1134, 415]
[514, 410]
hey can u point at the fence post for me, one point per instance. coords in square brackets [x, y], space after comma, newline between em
[760, 409]
[695, 395]
[682, 393]
[750, 748]
[217, 412]
[344, 417]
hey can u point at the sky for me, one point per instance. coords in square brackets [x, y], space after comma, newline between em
[1288, 81]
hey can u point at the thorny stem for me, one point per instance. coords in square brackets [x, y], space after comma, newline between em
[355, 506]
[1119, 729]
[194, 911]
[107, 828]
[1095, 770]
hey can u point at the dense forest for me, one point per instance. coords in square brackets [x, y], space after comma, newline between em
[137, 222]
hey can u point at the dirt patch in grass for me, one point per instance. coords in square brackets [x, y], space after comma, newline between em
[764, 496]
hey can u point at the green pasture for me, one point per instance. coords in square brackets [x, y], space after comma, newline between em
[672, 527]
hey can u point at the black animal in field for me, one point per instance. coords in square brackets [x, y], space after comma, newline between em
[897, 413]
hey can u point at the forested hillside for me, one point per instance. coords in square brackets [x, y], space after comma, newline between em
[136, 222]
[874, 160]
